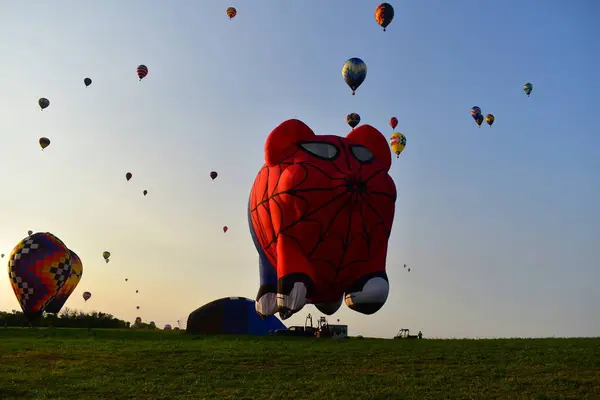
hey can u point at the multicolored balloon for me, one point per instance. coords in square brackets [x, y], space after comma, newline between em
[44, 142]
[86, 296]
[87, 82]
[527, 88]
[475, 112]
[43, 103]
[106, 255]
[490, 119]
[384, 14]
[231, 12]
[354, 73]
[142, 71]
[353, 119]
[65, 292]
[397, 143]
[393, 122]
[38, 268]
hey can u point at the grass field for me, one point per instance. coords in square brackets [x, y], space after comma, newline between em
[114, 364]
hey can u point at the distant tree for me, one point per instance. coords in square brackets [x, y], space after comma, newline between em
[66, 319]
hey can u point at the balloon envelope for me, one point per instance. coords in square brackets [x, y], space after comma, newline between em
[354, 73]
[38, 268]
[65, 292]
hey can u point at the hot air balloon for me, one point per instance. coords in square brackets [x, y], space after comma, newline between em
[479, 120]
[384, 14]
[87, 82]
[231, 12]
[126, 279]
[43, 103]
[353, 119]
[142, 71]
[490, 119]
[145, 192]
[38, 267]
[138, 307]
[301, 260]
[393, 122]
[527, 88]
[65, 292]
[475, 112]
[106, 255]
[86, 296]
[128, 176]
[397, 143]
[167, 327]
[29, 233]
[137, 291]
[225, 229]
[44, 142]
[354, 73]
[2, 255]
[213, 175]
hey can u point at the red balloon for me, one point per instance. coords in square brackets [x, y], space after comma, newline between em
[225, 229]
[142, 71]
[393, 122]
[321, 211]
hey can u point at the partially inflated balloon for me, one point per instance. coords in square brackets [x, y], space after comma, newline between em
[384, 14]
[43, 103]
[354, 73]
[44, 142]
[128, 176]
[213, 175]
[353, 119]
[38, 267]
[86, 296]
[231, 12]
[142, 71]
[393, 122]
[320, 213]
[61, 298]
[87, 82]
[106, 255]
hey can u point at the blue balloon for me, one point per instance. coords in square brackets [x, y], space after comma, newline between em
[354, 73]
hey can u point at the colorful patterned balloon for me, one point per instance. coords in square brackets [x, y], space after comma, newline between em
[61, 298]
[354, 73]
[38, 267]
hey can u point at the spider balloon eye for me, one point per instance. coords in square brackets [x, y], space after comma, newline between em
[320, 149]
[362, 154]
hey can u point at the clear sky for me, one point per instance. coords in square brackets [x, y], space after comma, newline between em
[499, 225]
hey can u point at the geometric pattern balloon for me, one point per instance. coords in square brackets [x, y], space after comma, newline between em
[38, 267]
[61, 298]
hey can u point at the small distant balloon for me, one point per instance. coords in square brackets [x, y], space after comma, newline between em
[393, 122]
[354, 73]
[126, 279]
[29, 233]
[44, 142]
[43, 103]
[137, 291]
[479, 120]
[106, 255]
[225, 229]
[384, 14]
[490, 119]
[353, 119]
[142, 71]
[87, 82]
[87, 296]
[527, 88]
[2, 255]
[138, 307]
[231, 12]
[128, 176]
[145, 192]
[213, 175]
[475, 112]
[397, 143]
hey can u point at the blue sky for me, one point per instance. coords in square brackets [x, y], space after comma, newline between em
[499, 225]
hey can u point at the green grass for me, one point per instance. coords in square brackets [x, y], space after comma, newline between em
[105, 364]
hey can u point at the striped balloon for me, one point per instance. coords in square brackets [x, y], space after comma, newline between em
[142, 71]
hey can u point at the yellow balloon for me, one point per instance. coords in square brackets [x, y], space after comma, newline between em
[397, 143]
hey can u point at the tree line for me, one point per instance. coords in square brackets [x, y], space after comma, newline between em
[73, 319]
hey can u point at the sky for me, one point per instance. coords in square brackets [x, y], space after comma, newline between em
[499, 225]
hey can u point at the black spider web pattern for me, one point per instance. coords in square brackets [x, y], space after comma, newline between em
[346, 201]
